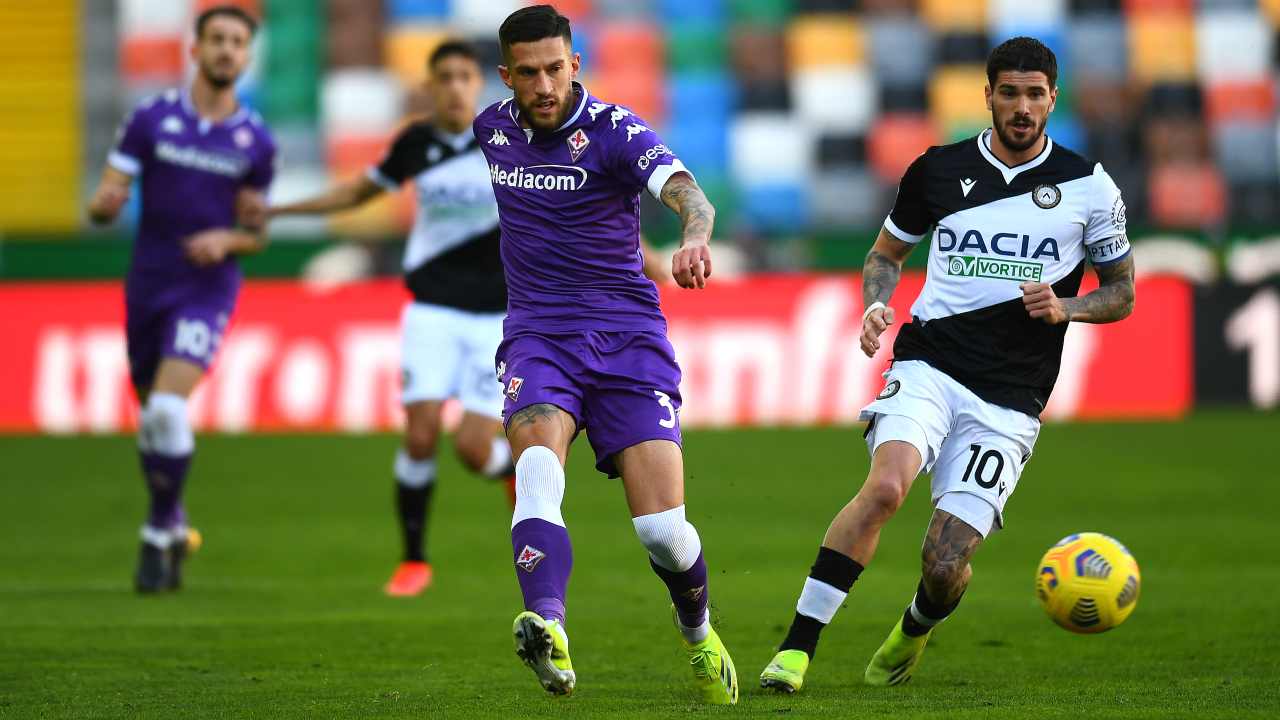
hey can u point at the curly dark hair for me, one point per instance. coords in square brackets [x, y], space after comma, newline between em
[1022, 54]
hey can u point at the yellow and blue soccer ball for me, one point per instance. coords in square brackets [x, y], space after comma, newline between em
[1088, 583]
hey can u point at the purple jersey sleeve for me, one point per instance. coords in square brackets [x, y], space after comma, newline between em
[263, 168]
[640, 157]
[134, 141]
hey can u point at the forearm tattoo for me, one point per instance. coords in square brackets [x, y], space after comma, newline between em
[697, 216]
[948, 546]
[879, 278]
[1112, 301]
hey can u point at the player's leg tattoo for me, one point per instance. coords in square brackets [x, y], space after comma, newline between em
[948, 546]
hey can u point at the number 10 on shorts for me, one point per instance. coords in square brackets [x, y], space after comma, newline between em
[982, 469]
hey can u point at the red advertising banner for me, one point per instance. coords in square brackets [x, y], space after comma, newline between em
[757, 350]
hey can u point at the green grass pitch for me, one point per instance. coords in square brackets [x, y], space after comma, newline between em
[282, 616]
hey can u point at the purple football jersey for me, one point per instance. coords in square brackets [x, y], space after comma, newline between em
[569, 212]
[189, 171]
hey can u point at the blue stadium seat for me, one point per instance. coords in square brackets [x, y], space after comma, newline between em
[683, 11]
[707, 95]
[408, 11]
[699, 142]
[1066, 131]
[776, 208]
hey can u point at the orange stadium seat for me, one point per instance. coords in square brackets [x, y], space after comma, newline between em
[1271, 8]
[145, 58]
[823, 40]
[1162, 46]
[405, 51]
[638, 90]
[955, 95]
[897, 139]
[1132, 7]
[578, 11]
[1240, 101]
[253, 7]
[628, 47]
[1187, 195]
[953, 15]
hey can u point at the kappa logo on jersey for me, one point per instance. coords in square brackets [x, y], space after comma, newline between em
[513, 388]
[172, 125]
[652, 154]
[578, 143]
[529, 558]
[618, 113]
[635, 129]
[499, 138]
[966, 185]
[992, 269]
[889, 390]
[526, 179]
[596, 108]
[502, 369]
[1047, 197]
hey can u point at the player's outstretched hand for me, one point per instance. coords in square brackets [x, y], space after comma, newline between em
[208, 248]
[873, 325]
[107, 202]
[1042, 304]
[691, 265]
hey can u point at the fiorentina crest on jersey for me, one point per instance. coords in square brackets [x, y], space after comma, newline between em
[578, 143]
[529, 558]
[513, 388]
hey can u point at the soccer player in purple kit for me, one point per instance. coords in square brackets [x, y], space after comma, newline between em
[585, 344]
[203, 163]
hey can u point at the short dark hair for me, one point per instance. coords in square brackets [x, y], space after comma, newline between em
[231, 11]
[1022, 54]
[453, 48]
[531, 24]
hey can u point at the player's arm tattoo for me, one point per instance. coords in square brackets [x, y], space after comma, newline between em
[1112, 301]
[880, 276]
[948, 546]
[697, 216]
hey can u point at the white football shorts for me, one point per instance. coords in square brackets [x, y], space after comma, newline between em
[975, 450]
[449, 353]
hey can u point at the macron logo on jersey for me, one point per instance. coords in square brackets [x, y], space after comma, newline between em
[560, 178]
[499, 138]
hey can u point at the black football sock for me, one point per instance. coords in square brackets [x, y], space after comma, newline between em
[923, 614]
[829, 581]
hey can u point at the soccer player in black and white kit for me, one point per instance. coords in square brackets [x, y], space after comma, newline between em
[1013, 218]
[451, 329]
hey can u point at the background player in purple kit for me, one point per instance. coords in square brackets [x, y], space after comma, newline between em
[203, 162]
[584, 343]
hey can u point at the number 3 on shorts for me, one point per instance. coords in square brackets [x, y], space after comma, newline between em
[665, 401]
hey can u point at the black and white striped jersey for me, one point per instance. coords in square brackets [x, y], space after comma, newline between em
[995, 227]
[452, 257]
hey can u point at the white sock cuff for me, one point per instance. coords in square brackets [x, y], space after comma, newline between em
[819, 600]
[499, 458]
[920, 617]
[671, 541]
[539, 486]
[157, 537]
[414, 473]
[164, 426]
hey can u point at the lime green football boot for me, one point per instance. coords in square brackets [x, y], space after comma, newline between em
[894, 662]
[713, 669]
[786, 673]
[543, 646]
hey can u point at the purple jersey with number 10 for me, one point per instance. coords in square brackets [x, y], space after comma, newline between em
[189, 172]
[569, 211]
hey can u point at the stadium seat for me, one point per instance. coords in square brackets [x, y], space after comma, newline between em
[702, 96]
[1133, 7]
[639, 90]
[628, 48]
[961, 48]
[156, 59]
[1233, 45]
[903, 98]
[679, 12]
[840, 152]
[1098, 47]
[697, 47]
[769, 148]
[406, 50]
[776, 208]
[819, 41]
[153, 18]
[481, 17]
[1246, 151]
[578, 11]
[812, 92]
[1032, 16]
[417, 11]
[760, 12]
[1187, 196]
[700, 144]
[1066, 131]
[896, 140]
[253, 7]
[1162, 47]
[886, 39]
[956, 97]
[1271, 8]
[848, 198]
[1174, 140]
[354, 34]
[758, 54]
[360, 102]
[1234, 100]
[955, 15]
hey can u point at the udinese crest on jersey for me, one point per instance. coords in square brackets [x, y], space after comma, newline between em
[1046, 196]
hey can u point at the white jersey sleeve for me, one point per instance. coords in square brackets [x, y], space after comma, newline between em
[1105, 238]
